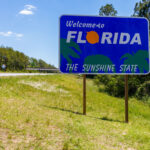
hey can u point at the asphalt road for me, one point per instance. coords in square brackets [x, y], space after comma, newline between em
[23, 74]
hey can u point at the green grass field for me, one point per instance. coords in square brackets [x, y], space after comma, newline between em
[45, 113]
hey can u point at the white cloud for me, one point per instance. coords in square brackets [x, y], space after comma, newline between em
[11, 34]
[28, 10]
[30, 7]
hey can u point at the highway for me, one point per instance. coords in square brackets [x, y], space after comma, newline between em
[23, 74]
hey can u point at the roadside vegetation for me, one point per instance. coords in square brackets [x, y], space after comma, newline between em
[45, 112]
[139, 86]
[11, 60]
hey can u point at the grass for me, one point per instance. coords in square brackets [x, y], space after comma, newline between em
[45, 113]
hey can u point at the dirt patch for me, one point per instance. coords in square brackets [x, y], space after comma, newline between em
[10, 141]
[44, 86]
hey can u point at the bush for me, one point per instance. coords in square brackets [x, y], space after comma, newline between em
[114, 85]
[104, 79]
[143, 92]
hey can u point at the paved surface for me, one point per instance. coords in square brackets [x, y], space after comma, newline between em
[23, 74]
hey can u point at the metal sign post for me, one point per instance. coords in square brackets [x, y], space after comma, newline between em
[84, 94]
[126, 98]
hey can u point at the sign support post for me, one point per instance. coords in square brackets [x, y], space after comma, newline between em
[84, 94]
[126, 98]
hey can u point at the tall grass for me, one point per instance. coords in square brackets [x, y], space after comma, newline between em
[45, 112]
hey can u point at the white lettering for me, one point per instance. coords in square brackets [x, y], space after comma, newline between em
[69, 36]
[124, 38]
[115, 38]
[106, 37]
[136, 39]
[79, 40]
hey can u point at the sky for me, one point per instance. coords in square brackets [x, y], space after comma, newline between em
[32, 26]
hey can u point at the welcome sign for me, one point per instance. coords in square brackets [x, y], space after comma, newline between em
[104, 45]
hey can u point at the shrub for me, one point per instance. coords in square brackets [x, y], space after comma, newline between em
[104, 79]
[143, 92]
[114, 85]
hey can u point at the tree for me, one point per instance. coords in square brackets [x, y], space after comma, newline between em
[15, 60]
[42, 64]
[33, 62]
[142, 9]
[107, 10]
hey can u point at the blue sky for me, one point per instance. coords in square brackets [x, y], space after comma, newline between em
[32, 26]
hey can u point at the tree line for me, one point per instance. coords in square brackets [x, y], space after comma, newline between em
[13, 60]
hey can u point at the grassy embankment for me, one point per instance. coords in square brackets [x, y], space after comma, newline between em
[44, 112]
